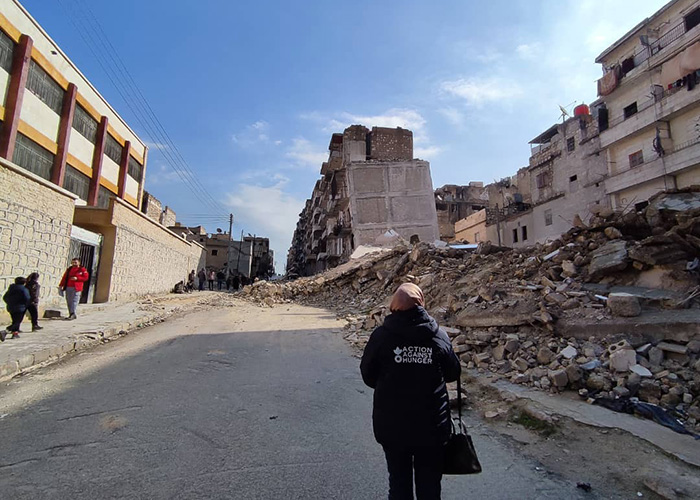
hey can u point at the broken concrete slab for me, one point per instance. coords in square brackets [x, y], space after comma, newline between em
[624, 305]
[609, 258]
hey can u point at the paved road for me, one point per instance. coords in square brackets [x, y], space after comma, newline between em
[241, 403]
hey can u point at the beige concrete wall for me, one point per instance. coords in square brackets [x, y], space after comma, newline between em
[35, 225]
[392, 195]
[473, 229]
[687, 178]
[139, 256]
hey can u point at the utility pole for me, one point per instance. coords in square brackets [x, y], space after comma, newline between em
[228, 251]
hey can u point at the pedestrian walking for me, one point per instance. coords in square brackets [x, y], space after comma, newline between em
[72, 285]
[190, 281]
[212, 277]
[407, 362]
[202, 277]
[220, 278]
[17, 299]
[236, 283]
[34, 289]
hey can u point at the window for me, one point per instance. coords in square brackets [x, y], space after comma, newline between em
[573, 178]
[638, 207]
[214, 253]
[44, 87]
[636, 159]
[7, 49]
[103, 196]
[515, 235]
[630, 110]
[524, 230]
[135, 168]
[573, 183]
[113, 149]
[476, 237]
[85, 124]
[543, 180]
[76, 182]
[548, 217]
[570, 144]
[29, 155]
[692, 19]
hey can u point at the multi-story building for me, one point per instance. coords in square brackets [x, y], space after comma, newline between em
[56, 124]
[369, 185]
[649, 111]
[454, 203]
[563, 183]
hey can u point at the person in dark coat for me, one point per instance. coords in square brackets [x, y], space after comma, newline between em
[202, 277]
[407, 362]
[17, 299]
[34, 289]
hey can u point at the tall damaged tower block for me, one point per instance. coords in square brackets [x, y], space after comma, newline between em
[370, 184]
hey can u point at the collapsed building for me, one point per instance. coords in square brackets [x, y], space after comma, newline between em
[370, 184]
[454, 203]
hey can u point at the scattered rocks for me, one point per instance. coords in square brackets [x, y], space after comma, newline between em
[624, 305]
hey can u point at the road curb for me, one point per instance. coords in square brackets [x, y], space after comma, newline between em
[81, 341]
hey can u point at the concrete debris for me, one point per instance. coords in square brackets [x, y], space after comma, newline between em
[507, 311]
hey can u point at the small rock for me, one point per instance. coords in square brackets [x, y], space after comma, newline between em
[687, 398]
[559, 378]
[597, 382]
[694, 346]
[656, 356]
[569, 352]
[649, 389]
[512, 345]
[498, 352]
[591, 365]
[624, 305]
[573, 372]
[675, 348]
[520, 364]
[621, 392]
[612, 233]
[640, 370]
[622, 360]
[545, 356]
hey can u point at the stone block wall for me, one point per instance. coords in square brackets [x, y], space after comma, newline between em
[151, 206]
[390, 144]
[168, 218]
[392, 195]
[148, 258]
[35, 225]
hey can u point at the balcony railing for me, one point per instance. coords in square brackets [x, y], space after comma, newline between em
[658, 97]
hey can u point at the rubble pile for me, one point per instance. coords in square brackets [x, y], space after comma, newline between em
[508, 311]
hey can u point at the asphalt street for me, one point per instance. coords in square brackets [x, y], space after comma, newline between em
[242, 403]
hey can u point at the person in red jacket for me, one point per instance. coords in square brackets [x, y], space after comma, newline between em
[72, 285]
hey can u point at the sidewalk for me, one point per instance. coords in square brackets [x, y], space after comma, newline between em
[95, 323]
[680, 446]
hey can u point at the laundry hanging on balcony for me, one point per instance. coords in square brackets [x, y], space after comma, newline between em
[681, 65]
[609, 81]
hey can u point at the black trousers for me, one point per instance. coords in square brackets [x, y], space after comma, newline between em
[17, 318]
[424, 462]
[33, 313]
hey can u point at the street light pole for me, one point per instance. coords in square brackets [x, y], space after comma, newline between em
[228, 250]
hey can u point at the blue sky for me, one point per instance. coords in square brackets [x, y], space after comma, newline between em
[250, 92]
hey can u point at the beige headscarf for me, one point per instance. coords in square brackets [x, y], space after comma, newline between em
[406, 297]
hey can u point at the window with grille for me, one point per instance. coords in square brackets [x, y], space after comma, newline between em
[570, 144]
[44, 87]
[113, 149]
[630, 110]
[85, 124]
[76, 182]
[103, 196]
[135, 168]
[636, 159]
[548, 217]
[7, 49]
[30, 156]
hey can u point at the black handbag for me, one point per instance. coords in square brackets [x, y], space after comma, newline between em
[460, 455]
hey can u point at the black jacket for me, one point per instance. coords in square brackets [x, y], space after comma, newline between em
[34, 289]
[17, 298]
[407, 362]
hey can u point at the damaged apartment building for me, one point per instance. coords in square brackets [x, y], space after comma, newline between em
[640, 138]
[370, 184]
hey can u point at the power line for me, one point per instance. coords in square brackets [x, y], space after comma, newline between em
[136, 102]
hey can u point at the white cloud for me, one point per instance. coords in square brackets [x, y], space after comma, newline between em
[453, 115]
[305, 154]
[426, 153]
[252, 134]
[528, 51]
[156, 145]
[267, 211]
[479, 91]
[161, 174]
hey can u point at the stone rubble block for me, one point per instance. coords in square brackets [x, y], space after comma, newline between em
[624, 305]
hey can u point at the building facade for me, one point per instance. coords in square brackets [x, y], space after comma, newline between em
[649, 110]
[56, 124]
[369, 185]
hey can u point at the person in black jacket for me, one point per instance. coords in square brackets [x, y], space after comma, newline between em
[33, 308]
[17, 299]
[407, 362]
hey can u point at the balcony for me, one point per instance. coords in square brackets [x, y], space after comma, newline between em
[662, 107]
[680, 157]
